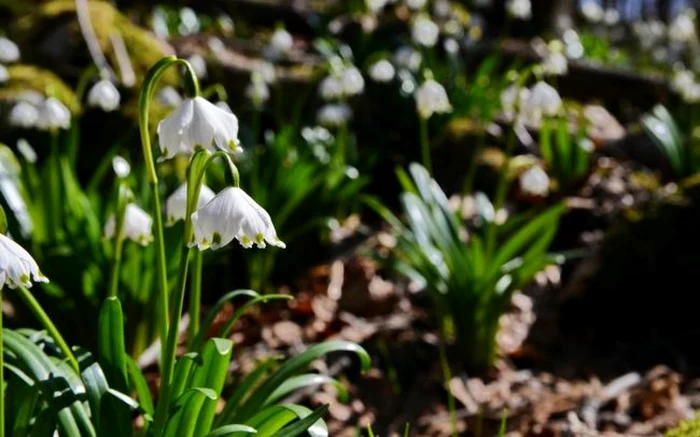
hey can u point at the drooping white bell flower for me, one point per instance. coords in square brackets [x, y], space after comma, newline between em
[281, 43]
[534, 181]
[512, 98]
[9, 52]
[416, 4]
[424, 31]
[409, 58]
[543, 100]
[334, 114]
[137, 225]
[376, 6]
[197, 123]
[611, 17]
[4, 74]
[682, 80]
[176, 205]
[331, 88]
[451, 46]
[53, 114]
[431, 98]
[353, 82]
[257, 90]
[520, 9]
[199, 65]
[268, 73]
[682, 29]
[382, 71]
[17, 267]
[168, 96]
[121, 167]
[555, 64]
[233, 214]
[27, 151]
[24, 115]
[104, 95]
[592, 11]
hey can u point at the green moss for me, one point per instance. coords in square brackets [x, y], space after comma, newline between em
[689, 428]
[24, 77]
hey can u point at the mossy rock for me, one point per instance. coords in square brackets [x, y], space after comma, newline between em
[28, 77]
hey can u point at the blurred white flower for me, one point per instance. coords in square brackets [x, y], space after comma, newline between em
[451, 46]
[416, 4]
[176, 205]
[104, 95]
[281, 43]
[197, 122]
[121, 166]
[382, 71]
[53, 114]
[534, 181]
[27, 151]
[543, 100]
[682, 80]
[4, 74]
[334, 114]
[331, 88]
[137, 225]
[30, 96]
[216, 45]
[512, 99]
[682, 29]
[611, 17]
[257, 90]
[24, 114]
[555, 64]
[233, 214]
[17, 267]
[431, 98]
[520, 9]
[168, 96]
[592, 11]
[376, 6]
[9, 52]
[424, 31]
[409, 58]
[353, 82]
[267, 71]
[199, 65]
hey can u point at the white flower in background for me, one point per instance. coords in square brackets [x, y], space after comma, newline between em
[376, 6]
[512, 98]
[199, 65]
[176, 205]
[382, 71]
[53, 114]
[24, 115]
[216, 45]
[424, 31]
[4, 74]
[451, 46]
[416, 4]
[331, 88]
[611, 17]
[520, 9]
[431, 98]
[534, 181]
[30, 96]
[9, 52]
[168, 96]
[27, 151]
[682, 80]
[592, 11]
[121, 166]
[442, 8]
[555, 64]
[543, 100]
[233, 214]
[197, 122]
[691, 94]
[682, 29]
[104, 95]
[408, 58]
[268, 73]
[334, 114]
[137, 225]
[281, 43]
[17, 267]
[353, 82]
[257, 90]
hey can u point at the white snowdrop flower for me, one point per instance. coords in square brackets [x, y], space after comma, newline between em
[137, 225]
[534, 181]
[408, 58]
[4, 74]
[53, 114]
[168, 96]
[331, 88]
[382, 71]
[542, 100]
[176, 205]
[611, 17]
[334, 114]
[9, 52]
[197, 123]
[376, 6]
[233, 214]
[24, 115]
[281, 43]
[30, 96]
[268, 73]
[442, 8]
[682, 29]
[216, 45]
[199, 65]
[27, 151]
[520, 9]
[17, 267]
[451, 46]
[555, 64]
[121, 166]
[512, 98]
[682, 80]
[431, 98]
[691, 94]
[353, 82]
[416, 4]
[592, 11]
[424, 31]
[257, 90]
[104, 95]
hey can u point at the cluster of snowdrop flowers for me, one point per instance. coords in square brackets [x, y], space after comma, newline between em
[431, 98]
[382, 71]
[319, 140]
[555, 63]
[281, 43]
[32, 110]
[541, 101]
[17, 267]
[342, 83]
[534, 181]
[682, 28]
[137, 225]
[519, 9]
[334, 114]
[425, 32]
[104, 95]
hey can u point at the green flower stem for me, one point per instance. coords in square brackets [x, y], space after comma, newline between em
[2, 375]
[55, 203]
[501, 190]
[195, 296]
[145, 97]
[40, 314]
[74, 133]
[425, 145]
[123, 197]
[468, 186]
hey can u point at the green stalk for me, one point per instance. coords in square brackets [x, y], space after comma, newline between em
[2, 375]
[425, 145]
[118, 245]
[46, 322]
[501, 190]
[195, 296]
[74, 133]
[55, 203]
[468, 186]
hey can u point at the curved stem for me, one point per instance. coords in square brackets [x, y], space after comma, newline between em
[119, 217]
[195, 296]
[46, 322]
[425, 145]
